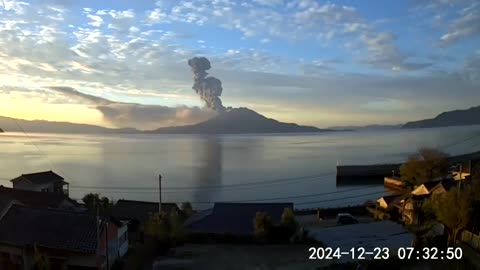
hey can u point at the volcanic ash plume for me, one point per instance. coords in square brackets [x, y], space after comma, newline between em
[209, 88]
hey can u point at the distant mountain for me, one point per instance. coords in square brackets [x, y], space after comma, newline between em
[42, 126]
[234, 121]
[368, 127]
[237, 121]
[452, 118]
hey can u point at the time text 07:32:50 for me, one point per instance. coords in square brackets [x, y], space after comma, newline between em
[383, 253]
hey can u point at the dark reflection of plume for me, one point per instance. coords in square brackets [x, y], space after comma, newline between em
[209, 171]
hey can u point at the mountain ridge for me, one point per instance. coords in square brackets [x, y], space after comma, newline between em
[239, 121]
[234, 121]
[470, 116]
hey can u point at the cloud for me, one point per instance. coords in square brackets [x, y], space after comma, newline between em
[466, 25]
[97, 21]
[141, 116]
[269, 2]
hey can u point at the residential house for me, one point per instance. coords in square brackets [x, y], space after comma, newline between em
[136, 213]
[39, 199]
[393, 182]
[117, 245]
[461, 175]
[387, 202]
[67, 240]
[434, 187]
[233, 218]
[410, 204]
[42, 182]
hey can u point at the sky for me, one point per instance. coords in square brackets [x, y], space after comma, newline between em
[120, 63]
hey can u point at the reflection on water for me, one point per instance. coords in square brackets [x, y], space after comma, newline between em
[209, 172]
[127, 166]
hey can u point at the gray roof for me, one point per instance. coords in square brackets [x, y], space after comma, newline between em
[35, 199]
[233, 218]
[63, 230]
[41, 177]
[139, 210]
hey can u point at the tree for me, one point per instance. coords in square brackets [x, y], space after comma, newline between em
[164, 227]
[187, 209]
[41, 262]
[288, 221]
[263, 225]
[453, 209]
[93, 201]
[426, 165]
[158, 227]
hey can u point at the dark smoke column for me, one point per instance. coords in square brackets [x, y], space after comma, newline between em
[209, 88]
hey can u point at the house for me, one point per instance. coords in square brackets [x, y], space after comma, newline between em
[39, 199]
[387, 202]
[410, 203]
[233, 218]
[434, 187]
[136, 213]
[66, 239]
[461, 175]
[42, 182]
[393, 182]
[117, 234]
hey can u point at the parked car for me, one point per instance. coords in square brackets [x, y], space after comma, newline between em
[346, 218]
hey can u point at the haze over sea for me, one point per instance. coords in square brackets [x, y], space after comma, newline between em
[204, 169]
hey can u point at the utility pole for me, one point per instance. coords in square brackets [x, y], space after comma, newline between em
[106, 245]
[160, 194]
[461, 170]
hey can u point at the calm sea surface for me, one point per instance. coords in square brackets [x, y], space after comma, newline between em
[202, 169]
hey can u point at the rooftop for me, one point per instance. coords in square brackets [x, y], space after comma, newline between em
[139, 210]
[233, 218]
[56, 229]
[35, 199]
[41, 178]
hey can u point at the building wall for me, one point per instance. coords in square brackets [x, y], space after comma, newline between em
[122, 240]
[113, 242]
[26, 185]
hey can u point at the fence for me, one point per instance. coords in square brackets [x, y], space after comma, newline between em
[473, 240]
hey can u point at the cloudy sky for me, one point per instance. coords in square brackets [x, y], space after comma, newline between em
[124, 63]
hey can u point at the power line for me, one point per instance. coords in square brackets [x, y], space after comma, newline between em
[309, 195]
[302, 203]
[344, 198]
[249, 184]
[38, 148]
[460, 142]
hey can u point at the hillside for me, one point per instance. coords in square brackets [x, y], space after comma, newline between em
[367, 127]
[42, 126]
[452, 118]
[237, 121]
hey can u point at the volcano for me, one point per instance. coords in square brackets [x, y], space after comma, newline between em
[238, 121]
